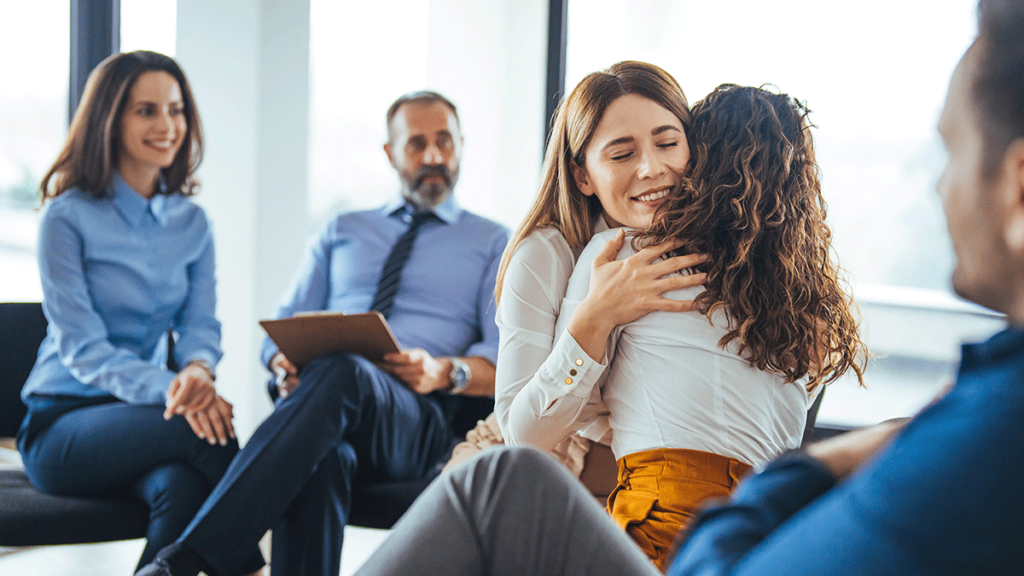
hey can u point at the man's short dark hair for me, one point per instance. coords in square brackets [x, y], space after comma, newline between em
[998, 88]
[418, 97]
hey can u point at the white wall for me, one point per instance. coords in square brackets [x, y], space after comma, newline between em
[490, 58]
[247, 62]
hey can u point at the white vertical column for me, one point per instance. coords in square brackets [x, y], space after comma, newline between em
[489, 58]
[248, 63]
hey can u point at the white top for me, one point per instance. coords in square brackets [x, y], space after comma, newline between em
[542, 388]
[671, 386]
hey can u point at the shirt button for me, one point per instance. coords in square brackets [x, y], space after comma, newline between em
[572, 372]
[568, 381]
[579, 361]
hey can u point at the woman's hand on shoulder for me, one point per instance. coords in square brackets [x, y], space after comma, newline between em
[622, 291]
[627, 289]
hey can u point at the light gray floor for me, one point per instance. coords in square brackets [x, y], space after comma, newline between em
[119, 558]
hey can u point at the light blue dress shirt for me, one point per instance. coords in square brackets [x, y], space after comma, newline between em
[445, 302]
[117, 272]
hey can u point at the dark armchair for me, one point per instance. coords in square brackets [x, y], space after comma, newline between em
[29, 517]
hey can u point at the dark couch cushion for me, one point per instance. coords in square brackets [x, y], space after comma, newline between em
[29, 517]
[22, 329]
[380, 505]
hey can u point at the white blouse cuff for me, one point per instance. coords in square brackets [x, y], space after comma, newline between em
[569, 371]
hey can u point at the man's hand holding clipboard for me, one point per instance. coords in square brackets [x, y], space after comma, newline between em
[307, 336]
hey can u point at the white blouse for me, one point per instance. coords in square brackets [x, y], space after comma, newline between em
[544, 384]
[671, 386]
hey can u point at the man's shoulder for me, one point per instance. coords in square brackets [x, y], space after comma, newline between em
[347, 221]
[482, 223]
[367, 214]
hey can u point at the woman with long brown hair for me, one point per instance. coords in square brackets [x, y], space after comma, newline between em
[693, 398]
[124, 258]
[618, 145]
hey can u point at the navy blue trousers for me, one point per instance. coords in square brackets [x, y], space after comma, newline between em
[119, 448]
[347, 418]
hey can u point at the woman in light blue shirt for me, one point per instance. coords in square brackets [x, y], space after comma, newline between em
[125, 258]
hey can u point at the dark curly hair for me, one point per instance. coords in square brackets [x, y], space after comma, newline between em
[752, 201]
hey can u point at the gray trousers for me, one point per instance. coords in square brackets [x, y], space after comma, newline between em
[508, 511]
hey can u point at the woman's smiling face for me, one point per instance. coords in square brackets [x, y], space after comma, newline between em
[635, 157]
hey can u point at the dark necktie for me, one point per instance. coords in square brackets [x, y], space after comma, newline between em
[391, 275]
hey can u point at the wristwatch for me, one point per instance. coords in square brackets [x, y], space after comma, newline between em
[204, 365]
[458, 378]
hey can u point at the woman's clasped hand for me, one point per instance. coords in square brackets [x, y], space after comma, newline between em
[192, 395]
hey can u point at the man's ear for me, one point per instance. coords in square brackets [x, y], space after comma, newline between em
[1013, 180]
[391, 158]
[579, 174]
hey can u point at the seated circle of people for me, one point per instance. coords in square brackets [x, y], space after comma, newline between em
[926, 495]
[429, 267]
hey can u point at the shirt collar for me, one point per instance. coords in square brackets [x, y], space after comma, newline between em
[1009, 342]
[448, 211]
[133, 207]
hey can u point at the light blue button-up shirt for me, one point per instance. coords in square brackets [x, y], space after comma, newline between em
[445, 302]
[116, 273]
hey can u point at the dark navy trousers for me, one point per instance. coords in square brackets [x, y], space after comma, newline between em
[296, 473]
[119, 448]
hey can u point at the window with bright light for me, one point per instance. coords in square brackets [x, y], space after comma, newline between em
[34, 115]
[33, 125]
[487, 57]
[149, 25]
[874, 73]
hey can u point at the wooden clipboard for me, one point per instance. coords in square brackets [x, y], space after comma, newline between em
[304, 337]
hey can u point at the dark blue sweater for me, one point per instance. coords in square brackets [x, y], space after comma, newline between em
[947, 497]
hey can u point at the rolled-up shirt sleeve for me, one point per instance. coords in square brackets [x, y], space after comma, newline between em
[545, 382]
[79, 332]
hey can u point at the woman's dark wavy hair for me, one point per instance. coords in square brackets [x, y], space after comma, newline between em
[89, 157]
[752, 201]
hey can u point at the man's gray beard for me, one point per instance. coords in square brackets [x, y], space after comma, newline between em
[429, 195]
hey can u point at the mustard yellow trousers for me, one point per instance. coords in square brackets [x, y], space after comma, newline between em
[659, 492]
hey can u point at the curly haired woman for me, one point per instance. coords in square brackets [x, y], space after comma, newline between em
[697, 400]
